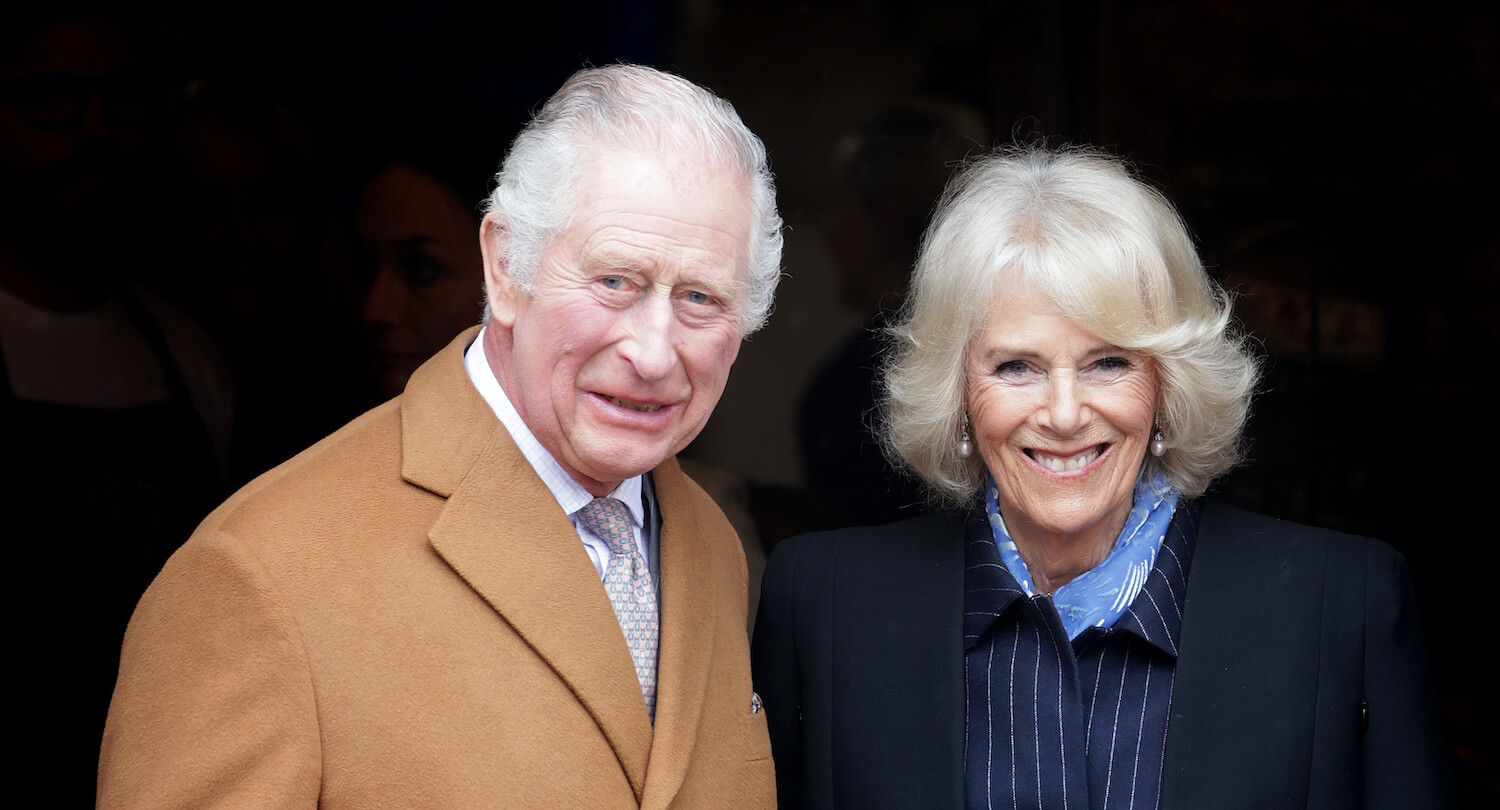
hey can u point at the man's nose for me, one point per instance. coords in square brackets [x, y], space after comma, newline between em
[649, 343]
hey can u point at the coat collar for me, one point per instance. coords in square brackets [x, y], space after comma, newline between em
[504, 534]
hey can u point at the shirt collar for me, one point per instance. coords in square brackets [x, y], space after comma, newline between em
[1100, 595]
[989, 587]
[570, 495]
[1155, 615]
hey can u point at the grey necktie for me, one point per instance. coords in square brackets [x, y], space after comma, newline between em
[627, 580]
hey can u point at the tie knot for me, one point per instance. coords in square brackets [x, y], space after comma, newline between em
[610, 520]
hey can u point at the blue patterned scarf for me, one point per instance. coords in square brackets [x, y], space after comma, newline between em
[1099, 596]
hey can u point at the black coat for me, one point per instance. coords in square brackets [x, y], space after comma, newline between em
[1301, 679]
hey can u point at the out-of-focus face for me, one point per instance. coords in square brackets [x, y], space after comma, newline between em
[621, 350]
[1061, 418]
[428, 282]
[79, 107]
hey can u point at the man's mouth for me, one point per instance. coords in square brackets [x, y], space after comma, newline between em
[634, 406]
[1072, 463]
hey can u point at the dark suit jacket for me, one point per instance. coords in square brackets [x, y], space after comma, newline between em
[1301, 679]
[402, 616]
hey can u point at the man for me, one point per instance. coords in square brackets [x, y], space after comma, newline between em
[423, 609]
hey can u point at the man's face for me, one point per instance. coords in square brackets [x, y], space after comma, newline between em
[622, 348]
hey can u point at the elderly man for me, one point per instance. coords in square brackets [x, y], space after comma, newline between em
[498, 589]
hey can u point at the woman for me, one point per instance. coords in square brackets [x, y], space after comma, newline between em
[1080, 628]
[426, 282]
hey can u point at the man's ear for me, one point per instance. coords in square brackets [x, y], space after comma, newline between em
[501, 293]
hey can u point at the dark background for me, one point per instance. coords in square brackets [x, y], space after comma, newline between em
[1336, 162]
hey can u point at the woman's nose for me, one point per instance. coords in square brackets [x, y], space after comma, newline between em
[382, 306]
[1065, 411]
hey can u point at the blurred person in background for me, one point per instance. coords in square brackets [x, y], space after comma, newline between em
[115, 407]
[421, 264]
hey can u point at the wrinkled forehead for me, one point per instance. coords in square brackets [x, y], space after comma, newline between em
[681, 189]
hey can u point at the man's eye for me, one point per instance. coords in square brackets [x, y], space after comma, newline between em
[697, 297]
[613, 282]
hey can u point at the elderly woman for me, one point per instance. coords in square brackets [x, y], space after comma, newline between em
[1081, 629]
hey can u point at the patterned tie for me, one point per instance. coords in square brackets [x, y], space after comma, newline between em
[627, 580]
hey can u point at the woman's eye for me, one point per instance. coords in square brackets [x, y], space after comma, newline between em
[1011, 369]
[1112, 364]
[420, 270]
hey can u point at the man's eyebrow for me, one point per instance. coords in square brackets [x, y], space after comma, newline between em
[614, 264]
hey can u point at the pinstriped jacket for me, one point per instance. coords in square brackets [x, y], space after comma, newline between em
[1301, 679]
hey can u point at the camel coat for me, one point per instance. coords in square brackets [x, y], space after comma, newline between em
[402, 616]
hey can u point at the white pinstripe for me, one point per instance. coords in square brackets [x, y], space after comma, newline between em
[1115, 731]
[1036, 723]
[1140, 731]
[1062, 740]
[1088, 734]
[1182, 584]
[1163, 619]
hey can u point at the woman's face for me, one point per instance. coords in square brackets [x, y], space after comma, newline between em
[428, 276]
[1061, 418]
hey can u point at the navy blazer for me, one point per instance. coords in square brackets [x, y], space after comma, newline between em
[1301, 678]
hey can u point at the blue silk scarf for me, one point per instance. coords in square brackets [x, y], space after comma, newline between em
[1099, 596]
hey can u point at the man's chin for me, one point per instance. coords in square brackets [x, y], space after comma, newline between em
[605, 470]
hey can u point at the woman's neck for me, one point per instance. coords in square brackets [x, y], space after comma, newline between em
[1056, 558]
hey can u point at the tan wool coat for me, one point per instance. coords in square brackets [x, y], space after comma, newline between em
[402, 616]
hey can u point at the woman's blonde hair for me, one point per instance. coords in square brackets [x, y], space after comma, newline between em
[1073, 226]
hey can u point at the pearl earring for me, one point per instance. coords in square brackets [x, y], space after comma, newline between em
[965, 447]
[1158, 444]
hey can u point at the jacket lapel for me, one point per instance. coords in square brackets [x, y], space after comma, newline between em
[899, 610]
[503, 533]
[1246, 684]
[687, 635]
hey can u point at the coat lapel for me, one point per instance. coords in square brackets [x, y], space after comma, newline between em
[503, 533]
[1246, 684]
[687, 635]
[899, 610]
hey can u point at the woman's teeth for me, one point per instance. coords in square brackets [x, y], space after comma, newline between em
[1068, 464]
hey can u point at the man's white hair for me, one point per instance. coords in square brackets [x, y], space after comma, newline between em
[643, 111]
